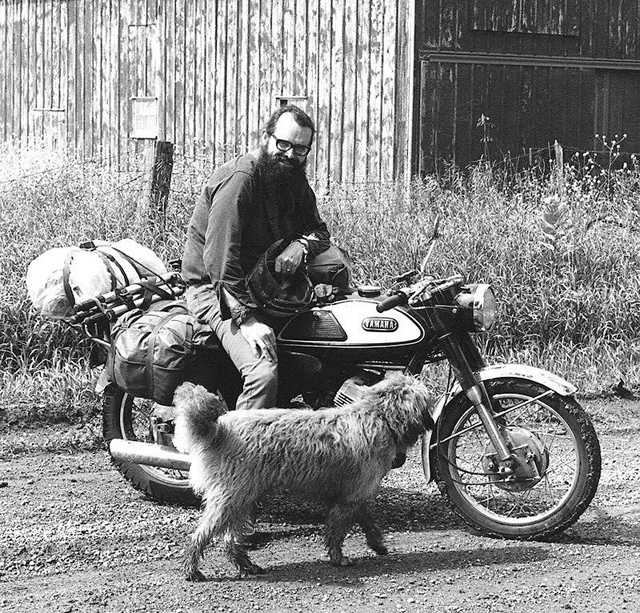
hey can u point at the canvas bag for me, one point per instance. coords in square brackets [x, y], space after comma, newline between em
[65, 276]
[151, 351]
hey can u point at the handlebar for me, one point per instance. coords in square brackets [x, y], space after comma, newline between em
[418, 292]
[389, 303]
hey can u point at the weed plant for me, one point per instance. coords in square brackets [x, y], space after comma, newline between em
[561, 251]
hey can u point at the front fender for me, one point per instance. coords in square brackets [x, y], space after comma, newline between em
[497, 371]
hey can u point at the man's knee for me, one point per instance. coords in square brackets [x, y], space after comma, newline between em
[262, 371]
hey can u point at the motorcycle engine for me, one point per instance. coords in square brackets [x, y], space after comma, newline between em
[350, 391]
[354, 387]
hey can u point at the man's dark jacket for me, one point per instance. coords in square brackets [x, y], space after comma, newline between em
[233, 224]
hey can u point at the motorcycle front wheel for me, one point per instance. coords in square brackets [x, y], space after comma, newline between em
[554, 440]
[135, 419]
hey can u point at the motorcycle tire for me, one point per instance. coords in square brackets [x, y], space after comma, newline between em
[129, 418]
[553, 431]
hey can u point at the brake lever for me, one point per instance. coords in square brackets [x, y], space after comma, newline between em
[405, 277]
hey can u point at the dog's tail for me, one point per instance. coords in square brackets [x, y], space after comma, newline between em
[197, 412]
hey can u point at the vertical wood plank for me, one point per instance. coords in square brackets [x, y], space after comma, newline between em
[427, 117]
[170, 50]
[337, 91]
[4, 68]
[179, 73]
[323, 104]
[99, 92]
[16, 56]
[72, 77]
[445, 111]
[451, 23]
[388, 150]
[311, 84]
[221, 83]
[350, 94]
[63, 77]
[288, 47]
[302, 38]
[202, 79]
[232, 80]
[462, 113]
[363, 83]
[160, 88]
[375, 90]
[189, 82]
[254, 60]
[47, 80]
[115, 47]
[242, 79]
[40, 68]
[264, 43]
[89, 83]
[16, 74]
[127, 80]
[277, 75]
[210, 32]
[427, 23]
[405, 88]
[627, 28]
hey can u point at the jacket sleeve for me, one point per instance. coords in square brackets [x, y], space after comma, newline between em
[315, 231]
[231, 205]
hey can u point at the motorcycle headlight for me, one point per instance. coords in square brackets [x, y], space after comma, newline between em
[478, 307]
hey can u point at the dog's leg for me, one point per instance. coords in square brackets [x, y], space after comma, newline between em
[215, 521]
[372, 532]
[235, 548]
[339, 520]
[207, 528]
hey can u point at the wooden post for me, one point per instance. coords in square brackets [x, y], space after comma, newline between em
[160, 184]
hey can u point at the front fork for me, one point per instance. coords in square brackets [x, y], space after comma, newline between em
[465, 359]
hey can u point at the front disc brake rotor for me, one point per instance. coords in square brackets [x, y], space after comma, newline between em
[530, 461]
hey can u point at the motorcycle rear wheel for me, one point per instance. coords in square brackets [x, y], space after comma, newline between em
[557, 433]
[130, 418]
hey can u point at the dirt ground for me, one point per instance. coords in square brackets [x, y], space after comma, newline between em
[75, 537]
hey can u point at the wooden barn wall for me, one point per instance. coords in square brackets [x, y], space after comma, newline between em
[205, 75]
[541, 70]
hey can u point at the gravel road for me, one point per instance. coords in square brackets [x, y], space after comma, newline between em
[74, 537]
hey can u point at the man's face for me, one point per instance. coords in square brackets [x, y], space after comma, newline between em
[291, 136]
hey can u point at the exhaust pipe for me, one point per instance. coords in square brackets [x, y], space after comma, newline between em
[148, 454]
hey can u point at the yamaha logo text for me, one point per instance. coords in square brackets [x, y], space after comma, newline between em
[380, 324]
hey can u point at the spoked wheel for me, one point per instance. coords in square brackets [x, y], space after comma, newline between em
[557, 461]
[138, 419]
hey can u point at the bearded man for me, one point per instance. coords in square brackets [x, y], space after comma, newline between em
[248, 204]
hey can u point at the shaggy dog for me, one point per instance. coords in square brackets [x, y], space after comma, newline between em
[336, 455]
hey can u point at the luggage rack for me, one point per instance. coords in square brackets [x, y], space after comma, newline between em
[95, 315]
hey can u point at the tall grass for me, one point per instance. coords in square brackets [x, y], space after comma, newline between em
[561, 251]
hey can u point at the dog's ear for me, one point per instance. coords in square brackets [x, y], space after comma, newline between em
[183, 392]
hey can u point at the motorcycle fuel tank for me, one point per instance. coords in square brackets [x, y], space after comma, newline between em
[352, 323]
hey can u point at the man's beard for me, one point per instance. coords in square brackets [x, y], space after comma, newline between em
[280, 172]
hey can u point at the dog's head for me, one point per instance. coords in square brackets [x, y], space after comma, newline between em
[406, 405]
[196, 411]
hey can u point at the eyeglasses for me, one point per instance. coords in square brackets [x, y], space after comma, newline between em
[285, 145]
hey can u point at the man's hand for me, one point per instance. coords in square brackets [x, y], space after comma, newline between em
[289, 260]
[261, 338]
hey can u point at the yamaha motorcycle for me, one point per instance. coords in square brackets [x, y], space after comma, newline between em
[513, 451]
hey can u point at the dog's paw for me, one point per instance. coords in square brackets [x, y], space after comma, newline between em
[379, 548]
[196, 576]
[342, 561]
[250, 569]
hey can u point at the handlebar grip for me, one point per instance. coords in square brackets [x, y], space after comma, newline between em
[387, 304]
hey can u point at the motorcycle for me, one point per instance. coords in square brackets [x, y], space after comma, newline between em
[513, 452]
